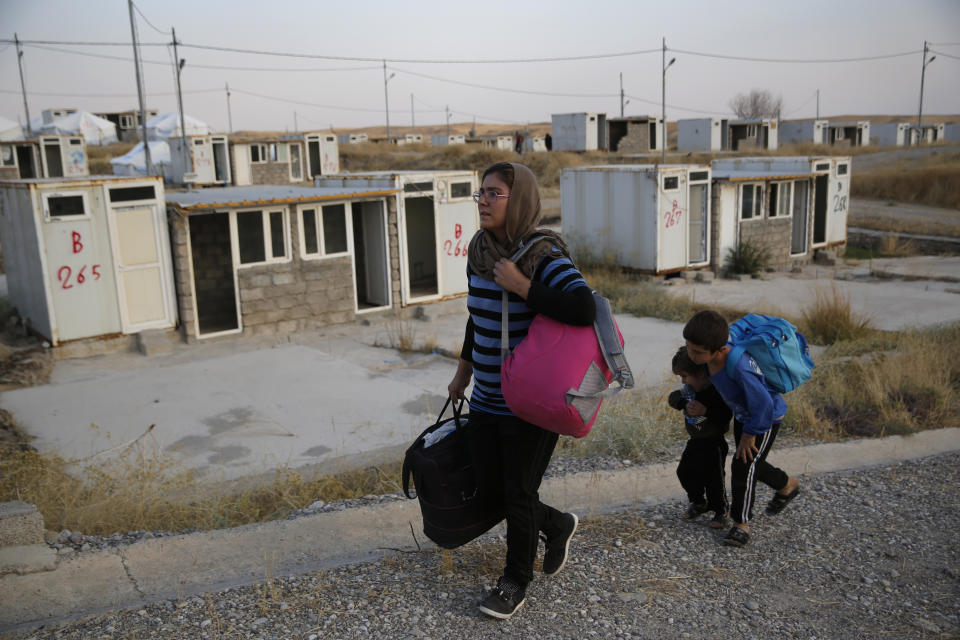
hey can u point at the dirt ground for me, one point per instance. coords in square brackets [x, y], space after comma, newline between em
[927, 219]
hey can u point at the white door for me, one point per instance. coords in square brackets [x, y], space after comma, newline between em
[203, 161]
[241, 153]
[672, 222]
[698, 223]
[456, 225]
[143, 271]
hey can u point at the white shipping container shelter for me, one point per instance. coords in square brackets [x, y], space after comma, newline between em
[199, 160]
[927, 133]
[579, 131]
[702, 134]
[503, 143]
[409, 138]
[268, 161]
[890, 134]
[436, 217]
[752, 134]
[439, 141]
[951, 131]
[323, 154]
[651, 218]
[88, 258]
[851, 134]
[46, 156]
[535, 144]
[352, 138]
[804, 131]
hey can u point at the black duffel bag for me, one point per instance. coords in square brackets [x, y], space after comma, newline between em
[454, 510]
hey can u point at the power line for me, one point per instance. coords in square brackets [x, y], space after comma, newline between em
[300, 102]
[795, 60]
[657, 103]
[945, 55]
[105, 95]
[160, 31]
[87, 43]
[197, 66]
[491, 88]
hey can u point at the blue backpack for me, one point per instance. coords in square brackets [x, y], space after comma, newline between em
[776, 345]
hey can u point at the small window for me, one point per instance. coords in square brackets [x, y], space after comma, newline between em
[126, 122]
[418, 186]
[699, 176]
[62, 206]
[273, 152]
[842, 169]
[127, 194]
[198, 141]
[781, 195]
[7, 156]
[822, 166]
[671, 183]
[76, 141]
[460, 190]
[324, 231]
[751, 201]
[282, 155]
[261, 236]
[258, 153]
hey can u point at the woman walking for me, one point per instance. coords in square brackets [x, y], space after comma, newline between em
[513, 453]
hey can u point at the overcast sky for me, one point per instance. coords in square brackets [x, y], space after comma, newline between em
[350, 93]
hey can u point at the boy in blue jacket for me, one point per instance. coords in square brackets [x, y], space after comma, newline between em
[757, 411]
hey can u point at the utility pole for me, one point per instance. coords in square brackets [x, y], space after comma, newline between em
[818, 104]
[413, 124]
[447, 109]
[143, 110]
[187, 150]
[663, 84]
[923, 73]
[226, 85]
[295, 127]
[621, 94]
[23, 85]
[386, 99]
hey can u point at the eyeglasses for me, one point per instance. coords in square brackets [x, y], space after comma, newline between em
[490, 194]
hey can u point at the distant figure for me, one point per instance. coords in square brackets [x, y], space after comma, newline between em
[548, 142]
[518, 144]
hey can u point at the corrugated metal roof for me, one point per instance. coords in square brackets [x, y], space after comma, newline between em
[254, 195]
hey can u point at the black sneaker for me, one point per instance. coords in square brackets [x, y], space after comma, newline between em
[558, 547]
[504, 599]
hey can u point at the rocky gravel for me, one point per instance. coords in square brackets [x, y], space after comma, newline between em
[871, 553]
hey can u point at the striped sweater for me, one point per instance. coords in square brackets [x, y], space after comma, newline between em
[556, 289]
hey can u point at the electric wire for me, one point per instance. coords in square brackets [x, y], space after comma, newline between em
[945, 55]
[796, 60]
[145, 19]
[492, 88]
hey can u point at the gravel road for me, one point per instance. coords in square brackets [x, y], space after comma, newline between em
[860, 554]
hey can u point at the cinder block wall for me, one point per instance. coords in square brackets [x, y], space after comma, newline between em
[637, 139]
[774, 234]
[270, 173]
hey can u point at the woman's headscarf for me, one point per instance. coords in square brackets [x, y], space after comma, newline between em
[523, 215]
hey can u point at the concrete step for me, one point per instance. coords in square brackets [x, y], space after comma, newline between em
[20, 524]
[153, 342]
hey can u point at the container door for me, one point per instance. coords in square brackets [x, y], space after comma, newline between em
[821, 203]
[203, 161]
[221, 161]
[420, 250]
[698, 224]
[672, 225]
[457, 223]
[144, 273]
[371, 255]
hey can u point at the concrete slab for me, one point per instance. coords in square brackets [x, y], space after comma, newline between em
[175, 567]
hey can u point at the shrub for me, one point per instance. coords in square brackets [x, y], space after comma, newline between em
[831, 318]
[747, 258]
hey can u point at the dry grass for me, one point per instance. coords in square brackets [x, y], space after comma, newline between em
[143, 487]
[894, 392]
[933, 180]
[899, 225]
[832, 319]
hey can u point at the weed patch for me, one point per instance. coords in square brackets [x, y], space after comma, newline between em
[747, 258]
[832, 319]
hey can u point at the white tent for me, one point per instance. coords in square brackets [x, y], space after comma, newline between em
[167, 125]
[94, 129]
[9, 130]
[134, 162]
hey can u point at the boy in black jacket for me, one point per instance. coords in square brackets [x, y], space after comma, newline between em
[707, 418]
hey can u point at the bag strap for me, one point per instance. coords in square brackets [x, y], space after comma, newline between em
[406, 470]
[505, 299]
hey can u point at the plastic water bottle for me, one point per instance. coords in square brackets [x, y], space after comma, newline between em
[689, 395]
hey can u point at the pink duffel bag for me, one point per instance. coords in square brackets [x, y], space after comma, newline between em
[559, 375]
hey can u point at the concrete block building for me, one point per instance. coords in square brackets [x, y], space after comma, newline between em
[635, 134]
[269, 160]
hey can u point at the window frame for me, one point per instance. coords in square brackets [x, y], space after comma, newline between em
[13, 157]
[782, 186]
[321, 253]
[267, 236]
[45, 198]
[672, 189]
[299, 148]
[261, 153]
[758, 202]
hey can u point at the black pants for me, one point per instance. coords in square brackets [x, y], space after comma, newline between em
[744, 476]
[514, 455]
[701, 472]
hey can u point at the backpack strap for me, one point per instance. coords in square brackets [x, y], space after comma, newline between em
[610, 343]
[736, 352]
[505, 300]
